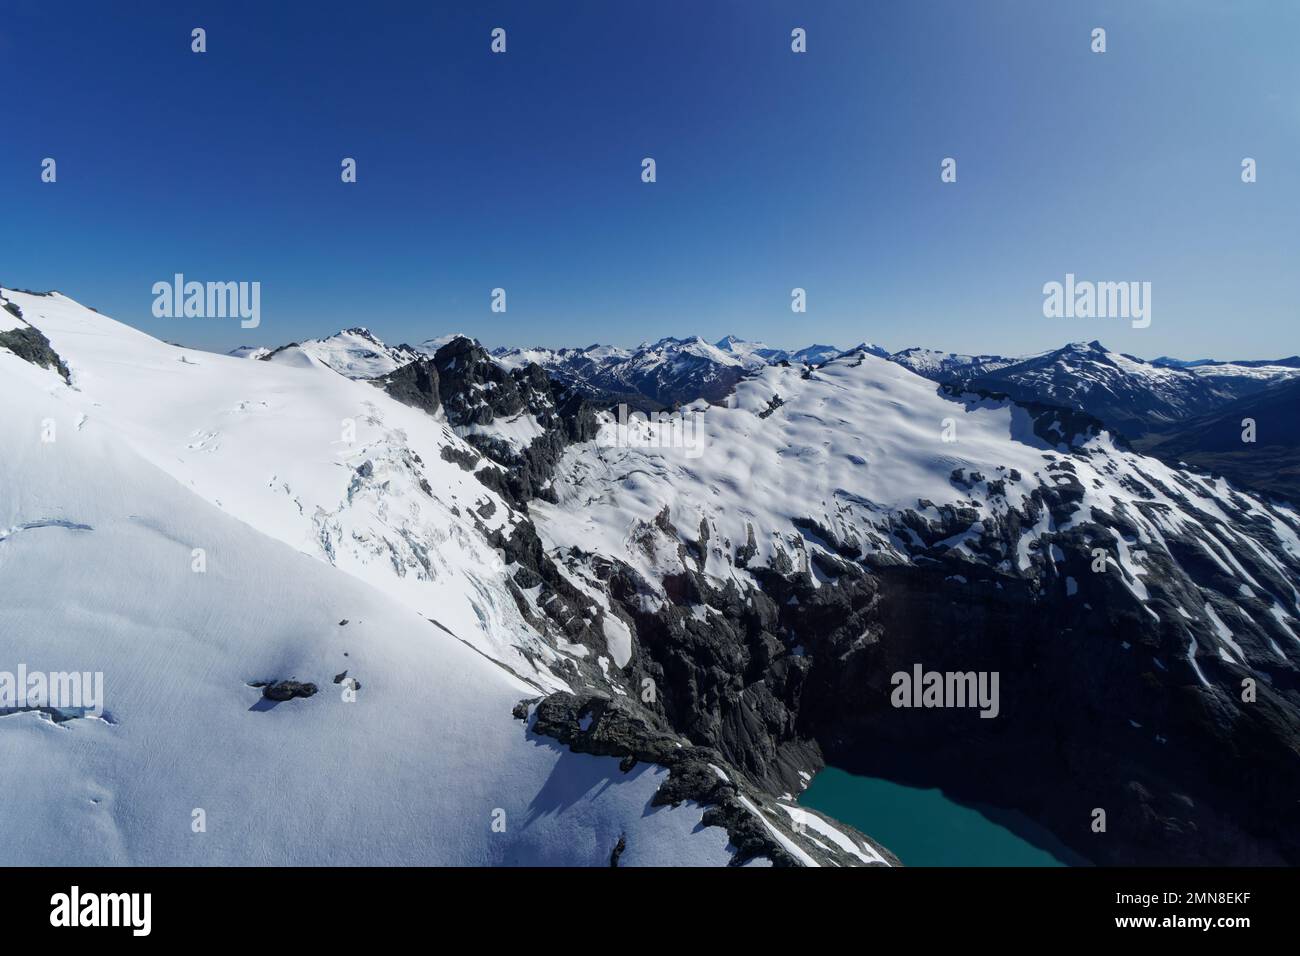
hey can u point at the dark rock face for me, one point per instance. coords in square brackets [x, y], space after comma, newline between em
[727, 683]
[31, 345]
[1061, 426]
[467, 460]
[1099, 704]
[282, 690]
[1128, 394]
[561, 609]
[619, 728]
[475, 392]
[653, 377]
[1270, 464]
[1080, 727]
[415, 384]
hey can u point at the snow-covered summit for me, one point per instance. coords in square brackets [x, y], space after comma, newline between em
[204, 529]
[358, 353]
[826, 528]
[948, 366]
[1129, 393]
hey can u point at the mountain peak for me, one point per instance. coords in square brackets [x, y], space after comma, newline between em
[1082, 347]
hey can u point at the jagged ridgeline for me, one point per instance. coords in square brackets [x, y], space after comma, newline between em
[584, 596]
[850, 519]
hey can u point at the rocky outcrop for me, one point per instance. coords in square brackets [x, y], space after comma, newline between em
[282, 690]
[1116, 694]
[491, 407]
[31, 345]
[620, 728]
[1101, 707]
[415, 384]
[1254, 441]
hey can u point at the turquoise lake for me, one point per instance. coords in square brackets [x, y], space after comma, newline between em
[926, 828]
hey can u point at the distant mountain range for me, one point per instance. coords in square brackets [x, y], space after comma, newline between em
[665, 373]
[499, 565]
[1131, 395]
[1178, 410]
[1216, 440]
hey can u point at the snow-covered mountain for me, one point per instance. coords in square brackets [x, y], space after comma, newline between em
[1130, 394]
[656, 374]
[1177, 410]
[1139, 399]
[1134, 396]
[755, 355]
[250, 351]
[1243, 378]
[1292, 361]
[356, 353]
[816, 354]
[430, 346]
[826, 529]
[949, 366]
[319, 633]
[751, 354]
[628, 641]
[1254, 440]
[661, 374]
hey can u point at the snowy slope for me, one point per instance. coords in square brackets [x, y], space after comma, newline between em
[358, 353]
[750, 354]
[781, 555]
[331, 467]
[816, 354]
[1213, 442]
[852, 460]
[250, 352]
[97, 568]
[335, 538]
[667, 372]
[948, 366]
[1227, 374]
[576, 364]
[429, 346]
[1128, 393]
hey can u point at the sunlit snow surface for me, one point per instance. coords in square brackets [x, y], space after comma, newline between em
[316, 499]
[860, 441]
[158, 451]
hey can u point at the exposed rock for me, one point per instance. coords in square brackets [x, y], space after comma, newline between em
[618, 728]
[414, 384]
[478, 395]
[30, 345]
[282, 690]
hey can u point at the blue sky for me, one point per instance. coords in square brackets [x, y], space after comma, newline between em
[775, 170]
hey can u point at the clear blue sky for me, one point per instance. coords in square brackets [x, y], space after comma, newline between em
[775, 170]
